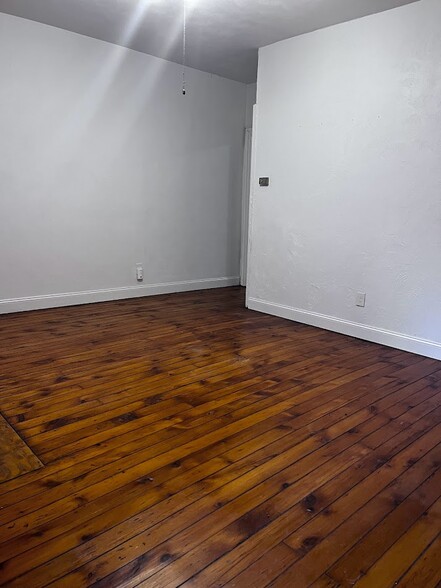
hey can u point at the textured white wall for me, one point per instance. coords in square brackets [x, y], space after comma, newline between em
[105, 164]
[349, 129]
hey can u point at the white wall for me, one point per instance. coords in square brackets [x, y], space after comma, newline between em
[103, 164]
[349, 129]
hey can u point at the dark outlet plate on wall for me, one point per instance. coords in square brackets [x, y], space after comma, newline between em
[263, 182]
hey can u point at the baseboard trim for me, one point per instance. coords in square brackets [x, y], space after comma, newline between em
[389, 338]
[90, 296]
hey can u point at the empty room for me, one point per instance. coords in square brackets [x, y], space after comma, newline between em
[220, 293]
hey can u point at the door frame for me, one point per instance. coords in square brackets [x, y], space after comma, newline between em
[246, 189]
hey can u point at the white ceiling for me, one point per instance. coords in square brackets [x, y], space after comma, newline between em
[222, 35]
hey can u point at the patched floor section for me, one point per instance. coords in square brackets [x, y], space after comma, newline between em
[16, 458]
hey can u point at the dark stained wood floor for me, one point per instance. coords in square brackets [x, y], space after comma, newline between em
[189, 442]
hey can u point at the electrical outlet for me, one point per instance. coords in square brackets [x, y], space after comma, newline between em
[360, 299]
[139, 272]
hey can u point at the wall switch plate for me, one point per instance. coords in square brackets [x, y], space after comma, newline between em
[264, 182]
[360, 299]
[139, 272]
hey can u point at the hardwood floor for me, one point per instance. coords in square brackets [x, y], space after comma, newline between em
[187, 441]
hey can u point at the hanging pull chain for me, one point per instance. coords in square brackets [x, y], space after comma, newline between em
[184, 48]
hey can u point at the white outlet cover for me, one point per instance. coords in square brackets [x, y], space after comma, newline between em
[139, 272]
[360, 300]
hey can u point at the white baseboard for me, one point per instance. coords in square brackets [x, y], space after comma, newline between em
[330, 323]
[73, 298]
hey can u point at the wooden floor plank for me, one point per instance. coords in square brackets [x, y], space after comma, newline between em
[16, 458]
[190, 441]
[333, 535]
[261, 572]
[368, 550]
[426, 571]
[405, 551]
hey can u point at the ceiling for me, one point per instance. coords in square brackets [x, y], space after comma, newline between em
[222, 35]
